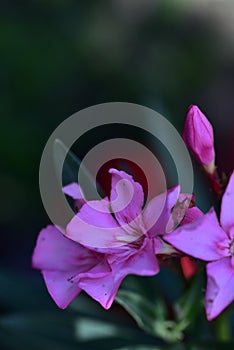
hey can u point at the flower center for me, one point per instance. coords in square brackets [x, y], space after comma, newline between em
[232, 248]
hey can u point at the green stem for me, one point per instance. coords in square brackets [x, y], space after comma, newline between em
[222, 326]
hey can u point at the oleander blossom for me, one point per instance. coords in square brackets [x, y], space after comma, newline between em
[107, 240]
[207, 240]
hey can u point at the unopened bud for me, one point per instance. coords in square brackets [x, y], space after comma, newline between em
[198, 135]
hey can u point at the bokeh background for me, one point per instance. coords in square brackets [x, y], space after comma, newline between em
[60, 56]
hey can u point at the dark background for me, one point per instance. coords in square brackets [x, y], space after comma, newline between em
[58, 57]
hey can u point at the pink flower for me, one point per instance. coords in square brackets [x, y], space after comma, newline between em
[104, 242]
[198, 136]
[119, 229]
[205, 239]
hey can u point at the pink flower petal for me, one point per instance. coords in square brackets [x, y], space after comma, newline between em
[203, 239]
[220, 286]
[60, 288]
[227, 213]
[192, 214]
[157, 214]
[60, 260]
[56, 252]
[101, 269]
[143, 263]
[127, 197]
[74, 191]
[102, 289]
[95, 227]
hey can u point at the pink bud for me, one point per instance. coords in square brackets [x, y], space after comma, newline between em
[199, 137]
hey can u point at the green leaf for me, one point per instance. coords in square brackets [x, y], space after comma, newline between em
[150, 316]
[143, 312]
[90, 329]
[188, 307]
[62, 331]
[106, 325]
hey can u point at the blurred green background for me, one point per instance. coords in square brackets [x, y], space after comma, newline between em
[58, 57]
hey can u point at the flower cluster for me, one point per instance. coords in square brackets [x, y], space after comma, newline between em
[113, 237]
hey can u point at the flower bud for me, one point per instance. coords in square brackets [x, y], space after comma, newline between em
[199, 137]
